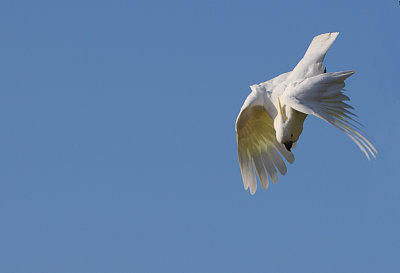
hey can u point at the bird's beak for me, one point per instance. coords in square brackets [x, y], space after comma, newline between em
[288, 145]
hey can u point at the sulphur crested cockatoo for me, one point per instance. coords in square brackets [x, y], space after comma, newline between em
[272, 116]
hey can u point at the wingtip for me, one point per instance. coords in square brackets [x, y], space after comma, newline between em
[349, 73]
[373, 154]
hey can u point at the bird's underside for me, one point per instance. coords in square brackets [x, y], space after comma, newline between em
[270, 121]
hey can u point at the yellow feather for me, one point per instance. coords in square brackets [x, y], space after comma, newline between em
[281, 110]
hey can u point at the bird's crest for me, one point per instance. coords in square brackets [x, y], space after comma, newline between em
[281, 110]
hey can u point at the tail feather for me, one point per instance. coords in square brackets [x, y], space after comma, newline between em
[312, 62]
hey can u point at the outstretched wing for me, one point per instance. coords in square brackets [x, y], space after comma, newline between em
[323, 97]
[258, 148]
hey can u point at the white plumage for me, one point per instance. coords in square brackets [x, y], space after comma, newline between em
[271, 118]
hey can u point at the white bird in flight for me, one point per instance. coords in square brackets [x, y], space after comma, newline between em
[271, 119]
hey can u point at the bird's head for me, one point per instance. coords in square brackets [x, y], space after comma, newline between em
[288, 125]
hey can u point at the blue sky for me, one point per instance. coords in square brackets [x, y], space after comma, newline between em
[118, 149]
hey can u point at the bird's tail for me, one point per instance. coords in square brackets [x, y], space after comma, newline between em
[312, 62]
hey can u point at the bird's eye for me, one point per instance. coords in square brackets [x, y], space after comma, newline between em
[291, 135]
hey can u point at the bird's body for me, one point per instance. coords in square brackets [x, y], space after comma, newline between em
[272, 116]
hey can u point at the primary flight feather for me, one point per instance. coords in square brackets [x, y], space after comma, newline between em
[271, 119]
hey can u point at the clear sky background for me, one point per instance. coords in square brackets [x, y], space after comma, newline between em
[118, 149]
